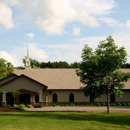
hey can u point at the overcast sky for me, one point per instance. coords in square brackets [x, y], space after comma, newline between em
[56, 30]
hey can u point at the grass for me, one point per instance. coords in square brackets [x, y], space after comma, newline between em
[64, 121]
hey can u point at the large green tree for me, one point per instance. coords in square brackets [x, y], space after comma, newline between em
[99, 70]
[15, 93]
[6, 68]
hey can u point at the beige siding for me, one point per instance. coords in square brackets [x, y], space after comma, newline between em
[125, 97]
[7, 79]
[103, 98]
[63, 96]
[23, 83]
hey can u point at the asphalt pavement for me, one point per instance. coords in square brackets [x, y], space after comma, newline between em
[77, 109]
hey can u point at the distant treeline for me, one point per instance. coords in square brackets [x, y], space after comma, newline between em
[60, 64]
[56, 64]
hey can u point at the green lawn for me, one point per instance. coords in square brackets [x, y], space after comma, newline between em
[63, 121]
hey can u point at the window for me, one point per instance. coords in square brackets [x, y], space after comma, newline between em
[112, 98]
[71, 97]
[37, 98]
[54, 97]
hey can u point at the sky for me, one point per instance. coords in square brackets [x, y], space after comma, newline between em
[57, 30]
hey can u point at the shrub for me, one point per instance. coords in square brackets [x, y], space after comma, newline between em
[15, 105]
[103, 104]
[118, 104]
[22, 105]
[61, 105]
[8, 106]
[98, 104]
[72, 104]
[128, 104]
[53, 105]
[29, 106]
[123, 104]
[66, 105]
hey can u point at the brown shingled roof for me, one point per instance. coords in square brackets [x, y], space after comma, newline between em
[53, 78]
[58, 78]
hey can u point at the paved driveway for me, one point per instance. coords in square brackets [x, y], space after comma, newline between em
[78, 109]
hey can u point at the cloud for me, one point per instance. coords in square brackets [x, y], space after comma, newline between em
[36, 52]
[9, 58]
[31, 35]
[128, 23]
[76, 32]
[53, 15]
[6, 16]
[111, 22]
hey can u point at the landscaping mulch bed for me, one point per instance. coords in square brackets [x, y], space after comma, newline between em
[2, 109]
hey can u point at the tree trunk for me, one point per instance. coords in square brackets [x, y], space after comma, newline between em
[14, 100]
[108, 103]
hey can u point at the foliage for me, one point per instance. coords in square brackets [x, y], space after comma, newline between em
[29, 106]
[15, 105]
[128, 104]
[15, 93]
[22, 105]
[6, 68]
[53, 105]
[60, 64]
[99, 70]
[72, 104]
[98, 104]
[123, 104]
[118, 104]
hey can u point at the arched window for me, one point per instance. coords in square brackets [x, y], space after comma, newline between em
[71, 97]
[112, 98]
[54, 97]
[37, 98]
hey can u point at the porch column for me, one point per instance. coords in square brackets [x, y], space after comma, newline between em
[47, 98]
[41, 98]
[33, 99]
[44, 97]
[4, 103]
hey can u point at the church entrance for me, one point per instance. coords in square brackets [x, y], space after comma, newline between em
[24, 99]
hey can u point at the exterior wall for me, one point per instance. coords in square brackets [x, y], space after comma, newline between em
[23, 83]
[7, 79]
[103, 98]
[125, 97]
[63, 96]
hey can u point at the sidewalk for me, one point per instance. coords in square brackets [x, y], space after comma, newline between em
[77, 109]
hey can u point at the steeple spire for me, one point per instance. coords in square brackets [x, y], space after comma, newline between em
[27, 53]
[27, 60]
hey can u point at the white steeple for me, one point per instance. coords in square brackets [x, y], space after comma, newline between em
[27, 60]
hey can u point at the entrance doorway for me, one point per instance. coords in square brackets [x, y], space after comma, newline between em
[24, 98]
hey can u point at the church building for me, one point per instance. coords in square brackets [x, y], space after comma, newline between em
[47, 86]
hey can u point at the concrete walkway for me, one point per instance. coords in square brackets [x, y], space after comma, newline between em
[77, 109]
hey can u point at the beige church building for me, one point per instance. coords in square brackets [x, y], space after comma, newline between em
[48, 86]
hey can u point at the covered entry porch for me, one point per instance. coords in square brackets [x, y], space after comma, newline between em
[32, 92]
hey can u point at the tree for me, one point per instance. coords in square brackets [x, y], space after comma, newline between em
[99, 70]
[6, 68]
[15, 93]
